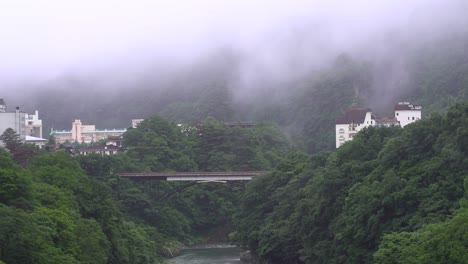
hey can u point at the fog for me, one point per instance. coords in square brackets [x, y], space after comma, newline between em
[120, 45]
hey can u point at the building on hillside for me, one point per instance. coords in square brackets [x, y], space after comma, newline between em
[103, 150]
[387, 122]
[22, 123]
[407, 113]
[114, 141]
[84, 133]
[240, 124]
[33, 125]
[135, 122]
[14, 120]
[355, 119]
[40, 142]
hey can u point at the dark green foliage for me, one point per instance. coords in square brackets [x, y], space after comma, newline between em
[160, 145]
[11, 139]
[335, 208]
[21, 153]
[444, 242]
[211, 146]
[52, 212]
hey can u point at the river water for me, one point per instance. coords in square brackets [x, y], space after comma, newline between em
[208, 255]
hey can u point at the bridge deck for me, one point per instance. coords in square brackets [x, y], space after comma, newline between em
[195, 176]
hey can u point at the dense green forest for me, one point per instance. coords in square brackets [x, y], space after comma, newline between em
[58, 208]
[391, 195]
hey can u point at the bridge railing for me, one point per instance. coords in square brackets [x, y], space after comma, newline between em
[195, 176]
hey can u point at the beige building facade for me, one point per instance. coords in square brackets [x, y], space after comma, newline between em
[84, 133]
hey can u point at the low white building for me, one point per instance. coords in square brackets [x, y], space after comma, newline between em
[407, 113]
[355, 119]
[103, 150]
[40, 142]
[135, 122]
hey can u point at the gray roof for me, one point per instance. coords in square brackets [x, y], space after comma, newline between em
[353, 115]
[407, 106]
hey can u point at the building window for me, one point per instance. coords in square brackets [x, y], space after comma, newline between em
[408, 117]
[341, 130]
[413, 117]
[342, 138]
[396, 114]
[371, 122]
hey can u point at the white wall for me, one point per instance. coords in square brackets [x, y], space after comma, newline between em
[406, 117]
[14, 120]
[342, 134]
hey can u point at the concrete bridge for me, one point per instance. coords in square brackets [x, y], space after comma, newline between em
[195, 176]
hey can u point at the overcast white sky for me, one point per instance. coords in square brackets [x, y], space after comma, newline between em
[43, 38]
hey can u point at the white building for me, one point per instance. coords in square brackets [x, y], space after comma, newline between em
[135, 122]
[14, 120]
[40, 142]
[407, 113]
[355, 119]
[348, 125]
[33, 125]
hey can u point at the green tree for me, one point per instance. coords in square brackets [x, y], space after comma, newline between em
[11, 139]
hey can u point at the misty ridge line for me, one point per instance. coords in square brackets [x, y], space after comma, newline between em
[284, 62]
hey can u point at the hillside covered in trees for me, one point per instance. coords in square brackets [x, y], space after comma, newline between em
[303, 102]
[391, 195]
[56, 208]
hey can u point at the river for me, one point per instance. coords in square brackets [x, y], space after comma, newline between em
[217, 254]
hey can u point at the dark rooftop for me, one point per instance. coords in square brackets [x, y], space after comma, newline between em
[407, 106]
[101, 148]
[353, 115]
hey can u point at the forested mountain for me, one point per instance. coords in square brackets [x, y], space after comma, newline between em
[391, 195]
[430, 72]
[56, 208]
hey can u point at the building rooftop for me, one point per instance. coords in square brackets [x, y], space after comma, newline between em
[101, 148]
[353, 115]
[401, 106]
[104, 131]
[60, 132]
[29, 138]
[240, 124]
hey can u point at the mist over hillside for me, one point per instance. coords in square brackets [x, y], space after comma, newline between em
[298, 65]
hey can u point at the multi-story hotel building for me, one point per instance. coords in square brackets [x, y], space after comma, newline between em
[355, 119]
[84, 133]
